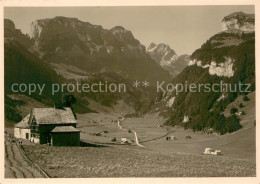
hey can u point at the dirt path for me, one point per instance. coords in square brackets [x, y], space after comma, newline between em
[15, 165]
[136, 140]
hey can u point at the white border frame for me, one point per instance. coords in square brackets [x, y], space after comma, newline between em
[76, 3]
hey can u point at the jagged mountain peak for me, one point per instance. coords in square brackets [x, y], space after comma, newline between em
[165, 56]
[161, 53]
[160, 46]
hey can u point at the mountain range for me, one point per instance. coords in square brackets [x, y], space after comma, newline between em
[93, 49]
[63, 49]
[67, 50]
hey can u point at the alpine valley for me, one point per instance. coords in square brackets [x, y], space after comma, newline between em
[140, 132]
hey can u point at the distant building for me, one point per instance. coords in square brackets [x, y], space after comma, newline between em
[126, 141]
[209, 151]
[209, 131]
[49, 125]
[171, 138]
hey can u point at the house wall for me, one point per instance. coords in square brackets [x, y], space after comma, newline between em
[65, 139]
[17, 133]
[44, 131]
[20, 133]
[35, 139]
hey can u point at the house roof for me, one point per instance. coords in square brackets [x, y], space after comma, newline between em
[24, 123]
[64, 129]
[53, 116]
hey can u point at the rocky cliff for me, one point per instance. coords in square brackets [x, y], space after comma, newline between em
[53, 35]
[93, 49]
[239, 21]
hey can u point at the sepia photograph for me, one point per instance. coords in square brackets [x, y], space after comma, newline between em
[129, 91]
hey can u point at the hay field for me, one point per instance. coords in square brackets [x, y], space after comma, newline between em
[71, 162]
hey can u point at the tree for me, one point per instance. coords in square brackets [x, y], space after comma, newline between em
[241, 105]
[245, 98]
[68, 101]
[232, 124]
[233, 110]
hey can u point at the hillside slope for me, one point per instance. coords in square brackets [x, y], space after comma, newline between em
[21, 66]
[226, 58]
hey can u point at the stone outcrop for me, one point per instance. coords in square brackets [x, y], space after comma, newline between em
[223, 69]
[239, 21]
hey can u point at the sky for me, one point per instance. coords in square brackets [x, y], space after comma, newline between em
[183, 28]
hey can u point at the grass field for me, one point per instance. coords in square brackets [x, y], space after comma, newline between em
[160, 158]
[240, 144]
[71, 162]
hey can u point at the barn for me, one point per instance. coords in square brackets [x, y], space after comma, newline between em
[49, 126]
[65, 136]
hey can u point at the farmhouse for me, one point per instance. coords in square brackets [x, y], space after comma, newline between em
[49, 126]
[209, 151]
[171, 138]
[126, 141]
[22, 129]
